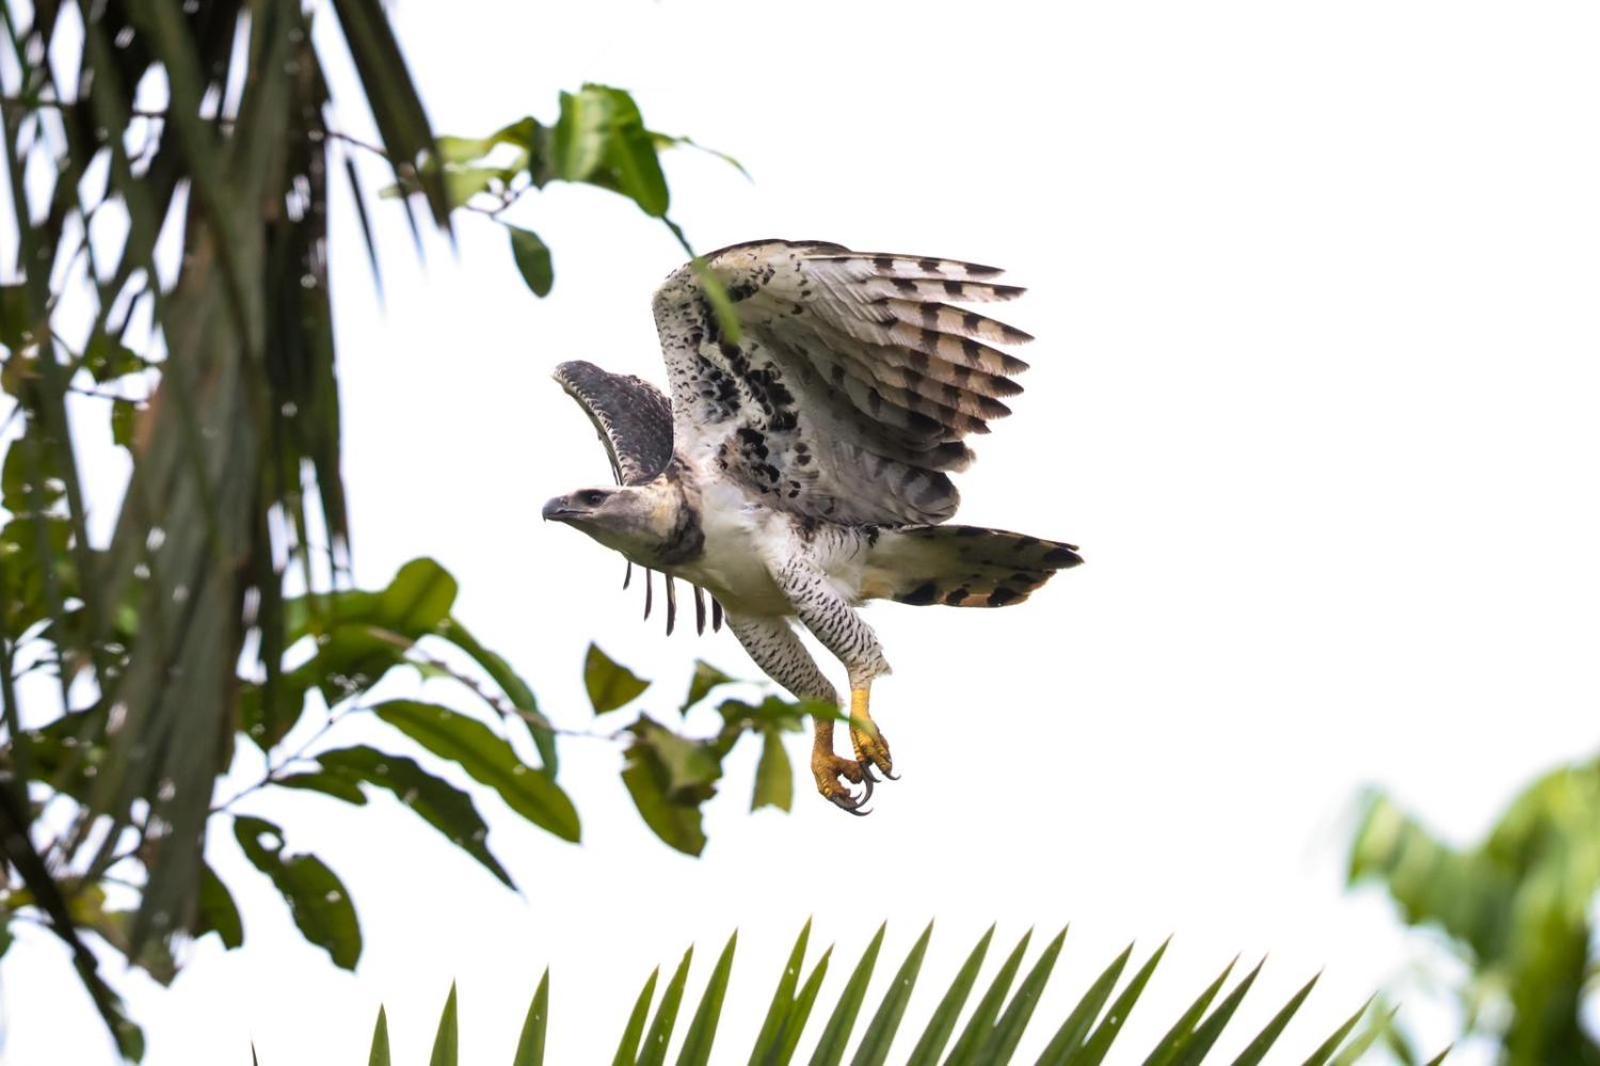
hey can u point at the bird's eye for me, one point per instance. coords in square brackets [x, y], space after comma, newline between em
[592, 498]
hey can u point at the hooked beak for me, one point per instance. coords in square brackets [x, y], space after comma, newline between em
[563, 509]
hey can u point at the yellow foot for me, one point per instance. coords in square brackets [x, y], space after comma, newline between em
[829, 768]
[871, 747]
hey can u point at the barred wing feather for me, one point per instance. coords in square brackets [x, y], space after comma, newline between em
[855, 380]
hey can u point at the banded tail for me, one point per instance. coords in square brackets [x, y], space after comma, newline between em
[962, 566]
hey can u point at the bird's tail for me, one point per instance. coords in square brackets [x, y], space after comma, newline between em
[962, 566]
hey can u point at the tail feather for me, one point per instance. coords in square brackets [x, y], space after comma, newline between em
[962, 566]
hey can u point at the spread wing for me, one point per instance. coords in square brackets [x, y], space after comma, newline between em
[853, 383]
[631, 415]
[634, 421]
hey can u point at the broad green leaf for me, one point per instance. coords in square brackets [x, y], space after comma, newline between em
[880, 1033]
[530, 1045]
[782, 997]
[976, 1033]
[471, 745]
[317, 899]
[1007, 1032]
[329, 784]
[706, 677]
[943, 1022]
[654, 1051]
[1257, 1049]
[417, 600]
[609, 685]
[702, 1031]
[439, 803]
[628, 1048]
[1070, 1036]
[218, 913]
[1094, 1049]
[447, 1040]
[836, 1034]
[511, 683]
[668, 778]
[774, 775]
[379, 1056]
[532, 256]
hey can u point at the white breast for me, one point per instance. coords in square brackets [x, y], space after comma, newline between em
[732, 568]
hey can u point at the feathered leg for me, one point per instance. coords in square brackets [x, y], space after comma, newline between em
[777, 649]
[841, 630]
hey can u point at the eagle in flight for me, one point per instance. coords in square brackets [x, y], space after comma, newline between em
[803, 467]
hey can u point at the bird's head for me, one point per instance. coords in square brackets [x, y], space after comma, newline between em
[636, 520]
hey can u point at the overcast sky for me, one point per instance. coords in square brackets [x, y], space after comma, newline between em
[1314, 287]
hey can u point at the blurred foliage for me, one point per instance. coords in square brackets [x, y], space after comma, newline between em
[1517, 907]
[994, 1026]
[168, 167]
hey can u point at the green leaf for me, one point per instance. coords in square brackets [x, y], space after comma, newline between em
[1325, 1050]
[488, 759]
[379, 1056]
[1200, 1041]
[702, 1032]
[976, 1033]
[601, 139]
[417, 600]
[879, 1037]
[392, 96]
[530, 1046]
[124, 422]
[329, 784]
[943, 1022]
[1094, 1049]
[1070, 1036]
[782, 997]
[609, 685]
[1257, 1049]
[106, 358]
[532, 256]
[1173, 1042]
[800, 1013]
[836, 1034]
[218, 913]
[1007, 1032]
[440, 804]
[654, 1052]
[706, 677]
[668, 778]
[628, 1048]
[317, 899]
[774, 775]
[448, 1038]
[512, 684]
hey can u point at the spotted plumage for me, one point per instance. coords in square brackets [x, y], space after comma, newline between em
[802, 465]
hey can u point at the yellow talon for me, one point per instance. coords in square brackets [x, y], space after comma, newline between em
[870, 746]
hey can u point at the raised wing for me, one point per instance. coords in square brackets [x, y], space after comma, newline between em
[631, 415]
[634, 421]
[853, 384]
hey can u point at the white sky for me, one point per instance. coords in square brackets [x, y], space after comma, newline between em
[1314, 287]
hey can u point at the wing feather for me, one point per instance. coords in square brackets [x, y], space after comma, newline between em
[632, 417]
[854, 382]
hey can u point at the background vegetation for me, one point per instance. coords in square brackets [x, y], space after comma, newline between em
[169, 199]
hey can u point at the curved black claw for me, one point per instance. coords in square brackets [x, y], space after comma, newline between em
[849, 805]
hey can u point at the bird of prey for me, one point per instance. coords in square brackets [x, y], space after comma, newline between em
[802, 467]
